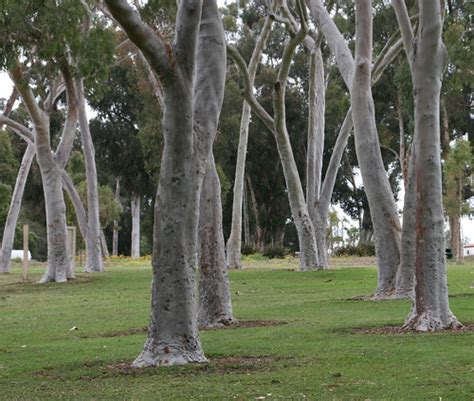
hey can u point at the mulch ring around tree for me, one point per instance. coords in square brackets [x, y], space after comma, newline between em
[242, 324]
[216, 365]
[468, 328]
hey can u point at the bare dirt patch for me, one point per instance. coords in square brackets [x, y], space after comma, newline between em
[468, 328]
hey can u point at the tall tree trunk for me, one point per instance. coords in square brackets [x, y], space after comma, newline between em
[299, 209]
[215, 307]
[427, 59]
[314, 159]
[14, 210]
[94, 254]
[116, 222]
[135, 209]
[456, 248]
[357, 76]
[258, 227]
[406, 273]
[247, 239]
[382, 205]
[193, 85]
[234, 242]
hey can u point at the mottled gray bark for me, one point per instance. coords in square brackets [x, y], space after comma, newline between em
[58, 268]
[94, 254]
[379, 194]
[14, 210]
[116, 223]
[135, 210]
[357, 76]
[192, 73]
[427, 57]
[215, 307]
[234, 241]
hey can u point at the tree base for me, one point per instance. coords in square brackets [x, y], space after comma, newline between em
[429, 321]
[153, 356]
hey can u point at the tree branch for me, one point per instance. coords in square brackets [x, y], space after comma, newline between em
[158, 53]
[18, 128]
[248, 89]
[406, 28]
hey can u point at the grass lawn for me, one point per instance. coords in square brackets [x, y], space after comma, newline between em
[313, 354]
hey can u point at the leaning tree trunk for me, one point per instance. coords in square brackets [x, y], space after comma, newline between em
[234, 242]
[116, 223]
[14, 210]
[94, 255]
[135, 209]
[215, 307]
[193, 78]
[379, 194]
[431, 309]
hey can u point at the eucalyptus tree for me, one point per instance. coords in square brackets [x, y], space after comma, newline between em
[192, 73]
[277, 125]
[426, 55]
[234, 242]
[356, 73]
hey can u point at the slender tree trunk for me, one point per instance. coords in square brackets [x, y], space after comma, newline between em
[103, 245]
[81, 214]
[455, 225]
[116, 222]
[135, 209]
[258, 227]
[215, 307]
[431, 309]
[406, 273]
[379, 194]
[247, 239]
[14, 210]
[234, 242]
[94, 255]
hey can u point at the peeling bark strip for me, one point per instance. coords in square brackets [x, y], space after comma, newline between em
[193, 77]
[431, 309]
[357, 76]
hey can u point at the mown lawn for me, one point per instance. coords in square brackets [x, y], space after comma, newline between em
[313, 354]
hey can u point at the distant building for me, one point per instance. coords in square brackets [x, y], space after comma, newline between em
[468, 249]
[19, 254]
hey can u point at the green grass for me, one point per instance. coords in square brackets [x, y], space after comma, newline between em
[314, 356]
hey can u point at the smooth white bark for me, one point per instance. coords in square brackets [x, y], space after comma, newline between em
[116, 223]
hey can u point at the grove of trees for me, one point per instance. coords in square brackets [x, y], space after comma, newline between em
[198, 134]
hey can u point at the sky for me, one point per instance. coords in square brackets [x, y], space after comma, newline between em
[467, 224]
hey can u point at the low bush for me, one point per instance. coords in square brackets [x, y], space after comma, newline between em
[359, 250]
[275, 252]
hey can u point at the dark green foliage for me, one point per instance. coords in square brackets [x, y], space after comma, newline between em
[359, 250]
[275, 252]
